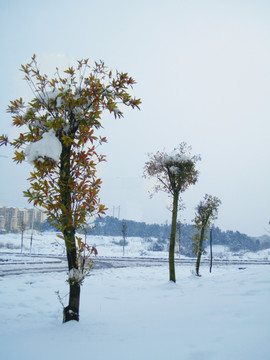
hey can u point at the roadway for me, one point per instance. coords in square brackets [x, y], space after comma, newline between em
[17, 263]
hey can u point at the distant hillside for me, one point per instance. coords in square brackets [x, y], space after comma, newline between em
[236, 241]
[111, 226]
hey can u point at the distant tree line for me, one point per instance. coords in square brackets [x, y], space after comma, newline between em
[111, 226]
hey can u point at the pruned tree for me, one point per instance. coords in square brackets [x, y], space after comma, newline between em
[206, 212]
[58, 138]
[174, 172]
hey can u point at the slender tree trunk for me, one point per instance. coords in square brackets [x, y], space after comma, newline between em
[71, 312]
[200, 251]
[211, 249]
[172, 237]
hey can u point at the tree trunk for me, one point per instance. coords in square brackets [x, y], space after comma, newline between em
[71, 312]
[172, 237]
[211, 249]
[200, 251]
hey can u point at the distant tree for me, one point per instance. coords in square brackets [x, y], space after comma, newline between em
[124, 232]
[175, 172]
[58, 139]
[206, 212]
[22, 228]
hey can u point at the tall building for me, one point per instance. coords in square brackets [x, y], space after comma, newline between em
[2, 224]
[13, 219]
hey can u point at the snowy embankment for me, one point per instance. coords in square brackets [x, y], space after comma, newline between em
[48, 243]
[135, 313]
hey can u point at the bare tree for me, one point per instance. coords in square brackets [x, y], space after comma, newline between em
[22, 228]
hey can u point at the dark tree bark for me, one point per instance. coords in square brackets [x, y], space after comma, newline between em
[172, 237]
[200, 251]
[204, 225]
[71, 312]
[211, 249]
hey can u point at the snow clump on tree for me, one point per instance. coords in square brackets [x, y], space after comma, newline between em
[47, 147]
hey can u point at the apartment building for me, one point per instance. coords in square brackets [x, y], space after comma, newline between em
[12, 219]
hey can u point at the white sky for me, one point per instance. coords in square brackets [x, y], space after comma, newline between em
[203, 74]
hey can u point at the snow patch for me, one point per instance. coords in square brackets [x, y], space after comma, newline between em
[174, 170]
[75, 275]
[176, 158]
[47, 147]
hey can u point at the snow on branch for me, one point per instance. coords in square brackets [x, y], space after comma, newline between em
[47, 147]
[174, 171]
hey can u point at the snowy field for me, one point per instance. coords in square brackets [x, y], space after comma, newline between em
[49, 243]
[135, 313]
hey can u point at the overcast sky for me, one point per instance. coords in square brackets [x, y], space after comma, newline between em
[203, 74]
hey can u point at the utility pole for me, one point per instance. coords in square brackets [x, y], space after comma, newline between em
[116, 208]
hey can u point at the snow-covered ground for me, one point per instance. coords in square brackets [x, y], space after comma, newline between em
[135, 312]
[49, 243]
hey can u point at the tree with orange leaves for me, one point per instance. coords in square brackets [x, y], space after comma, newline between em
[58, 138]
